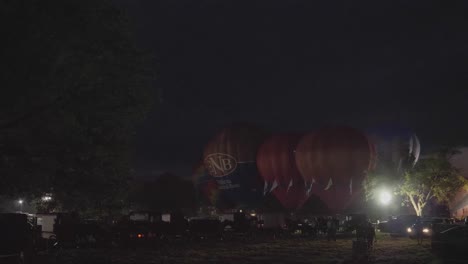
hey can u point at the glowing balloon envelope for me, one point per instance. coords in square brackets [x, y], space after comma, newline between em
[334, 162]
[230, 159]
[206, 187]
[397, 149]
[276, 164]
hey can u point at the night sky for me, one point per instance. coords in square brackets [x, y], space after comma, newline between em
[296, 65]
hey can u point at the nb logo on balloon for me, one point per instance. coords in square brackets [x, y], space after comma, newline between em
[220, 165]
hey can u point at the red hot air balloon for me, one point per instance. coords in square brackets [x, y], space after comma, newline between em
[333, 162]
[230, 158]
[276, 164]
[206, 187]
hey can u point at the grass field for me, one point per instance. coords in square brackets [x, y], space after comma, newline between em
[290, 250]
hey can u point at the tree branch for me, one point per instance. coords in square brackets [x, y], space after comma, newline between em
[415, 206]
[428, 196]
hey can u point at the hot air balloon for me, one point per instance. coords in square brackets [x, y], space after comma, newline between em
[206, 187]
[276, 165]
[333, 162]
[230, 158]
[397, 149]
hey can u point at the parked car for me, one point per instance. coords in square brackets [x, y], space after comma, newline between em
[398, 226]
[142, 228]
[426, 229]
[19, 238]
[430, 225]
[453, 240]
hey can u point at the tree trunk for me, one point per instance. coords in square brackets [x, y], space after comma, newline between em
[418, 212]
[421, 208]
[416, 207]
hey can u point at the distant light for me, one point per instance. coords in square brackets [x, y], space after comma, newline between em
[426, 230]
[140, 236]
[385, 197]
[46, 198]
[240, 211]
[253, 214]
[409, 230]
[20, 201]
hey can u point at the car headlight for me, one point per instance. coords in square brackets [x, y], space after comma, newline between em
[426, 230]
[409, 230]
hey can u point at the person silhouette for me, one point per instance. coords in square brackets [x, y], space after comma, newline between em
[370, 235]
[418, 229]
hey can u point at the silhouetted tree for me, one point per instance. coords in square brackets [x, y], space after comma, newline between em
[74, 86]
[433, 177]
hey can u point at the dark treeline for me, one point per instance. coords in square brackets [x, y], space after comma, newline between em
[73, 88]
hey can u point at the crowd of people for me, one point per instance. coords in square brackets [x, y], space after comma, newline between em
[329, 227]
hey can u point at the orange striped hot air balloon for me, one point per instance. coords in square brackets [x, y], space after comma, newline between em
[276, 164]
[333, 162]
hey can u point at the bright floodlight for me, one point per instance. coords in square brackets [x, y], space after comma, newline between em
[385, 197]
[20, 201]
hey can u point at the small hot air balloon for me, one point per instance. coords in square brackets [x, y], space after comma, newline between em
[276, 164]
[397, 149]
[333, 162]
[230, 159]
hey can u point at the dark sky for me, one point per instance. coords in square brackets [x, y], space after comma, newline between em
[295, 65]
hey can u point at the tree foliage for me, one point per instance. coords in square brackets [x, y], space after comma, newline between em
[434, 177]
[74, 86]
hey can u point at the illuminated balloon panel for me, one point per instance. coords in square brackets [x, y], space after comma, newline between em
[230, 159]
[333, 162]
[206, 187]
[276, 165]
[397, 149]
[341, 154]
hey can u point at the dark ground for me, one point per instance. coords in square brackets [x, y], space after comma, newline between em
[288, 250]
